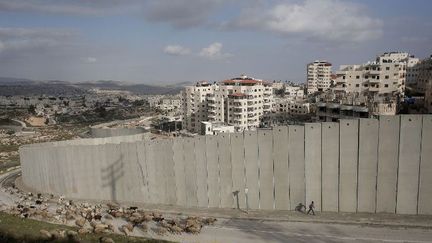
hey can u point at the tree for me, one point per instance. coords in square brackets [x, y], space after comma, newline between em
[32, 109]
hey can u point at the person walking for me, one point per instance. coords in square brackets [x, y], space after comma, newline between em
[311, 208]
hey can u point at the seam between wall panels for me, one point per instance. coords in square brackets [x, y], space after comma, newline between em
[377, 165]
[397, 171]
[218, 166]
[339, 162]
[419, 167]
[358, 164]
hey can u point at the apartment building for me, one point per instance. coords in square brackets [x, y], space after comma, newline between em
[318, 76]
[239, 102]
[291, 107]
[195, 105]
[421, 73]
[385, 76]
[294, 92]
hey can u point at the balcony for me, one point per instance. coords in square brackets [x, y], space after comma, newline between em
[374, 89]
[374, 81]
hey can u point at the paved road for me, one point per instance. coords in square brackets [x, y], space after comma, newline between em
[250, 231]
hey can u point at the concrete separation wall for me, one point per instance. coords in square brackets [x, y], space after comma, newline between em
[364, 165]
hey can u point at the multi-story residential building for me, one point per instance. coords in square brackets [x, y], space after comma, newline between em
[294, 92]
[423, 72]
[318, 76]
[239, 102]
[384, 77]
[195, 105]
[291, 107]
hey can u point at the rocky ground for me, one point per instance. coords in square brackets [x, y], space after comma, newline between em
[96, 218]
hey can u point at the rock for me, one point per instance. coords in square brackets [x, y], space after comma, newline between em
[116, 214]
[97, 216]
[58, 234]
[106, 240]
[100, 228]
[160, 231]
[70, 216]
[193, 229]
[143, 227]
[209, 221]
[113, 206]
[108, 216]
[157, 217]
[148, 217]
[72, 235]
[83, 231]
[111, 227]
[93, 224]
[129, 227]
[175, 229]
[80, 222]
[46, 235]
[126, 229]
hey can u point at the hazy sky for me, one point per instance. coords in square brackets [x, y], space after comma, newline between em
[168, 41]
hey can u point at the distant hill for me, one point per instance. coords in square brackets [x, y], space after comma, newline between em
[16, 86]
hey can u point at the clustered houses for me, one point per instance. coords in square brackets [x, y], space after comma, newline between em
[384, 77]
[421, 72]
[239, 102]
[423, 83]
[318, 76]
[374, 88]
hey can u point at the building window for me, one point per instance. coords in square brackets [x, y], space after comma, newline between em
[387, 68]
[386, 85]
[386, 77]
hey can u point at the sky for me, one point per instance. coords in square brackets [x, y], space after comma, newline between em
[171, 41]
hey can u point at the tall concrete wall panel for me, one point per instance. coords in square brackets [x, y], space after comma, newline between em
[368, 162]
[281, 175]
[388, 156]
[213, 171]
[201, 171]
[409, 162]
[251, 166]
[330, 166]
[425, 189]
[225, 171]
[142, 170]
[313, 164]
[265, 158]
[348, 165]
[168, 155]
[179, 171]
[151, 160]
[296, 169]
[238, 169]
[190, 172]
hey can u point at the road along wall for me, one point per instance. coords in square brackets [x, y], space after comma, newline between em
[366, 165]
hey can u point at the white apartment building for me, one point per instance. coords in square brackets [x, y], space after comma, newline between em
[294, 92]
[384, 77]
[195, 105]
[318, 76]
[239, 102]
[422, 72]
